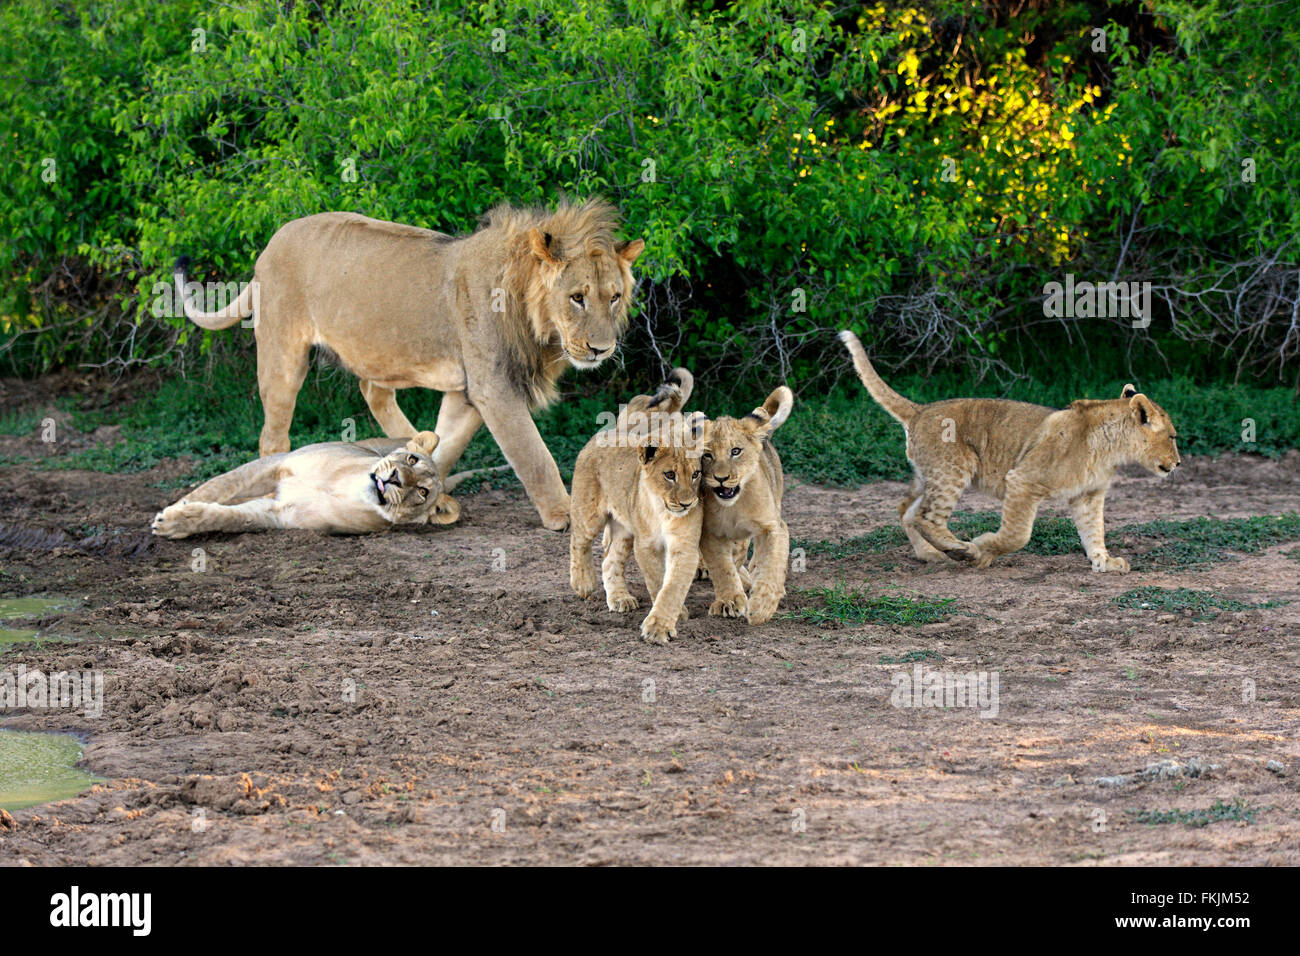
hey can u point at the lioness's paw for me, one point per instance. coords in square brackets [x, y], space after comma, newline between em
[621, 603]
[167, 523]
[658, 628]
[1110, 564]
[446, 510]
[731, 607]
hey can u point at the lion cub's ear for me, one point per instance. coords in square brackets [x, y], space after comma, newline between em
[772, 414]
[1129, 392]
[1142, 408]
[424, 442]
[628, 251]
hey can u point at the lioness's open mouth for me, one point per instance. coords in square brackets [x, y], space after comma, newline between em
[725, 493]
[381, 484]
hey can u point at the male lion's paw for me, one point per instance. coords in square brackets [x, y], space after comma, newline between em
[621, 603]
[1110, 564]
[731, 607]
[583, 581]
[556, 517]
[658, 628]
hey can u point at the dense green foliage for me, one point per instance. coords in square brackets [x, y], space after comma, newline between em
[919, 171]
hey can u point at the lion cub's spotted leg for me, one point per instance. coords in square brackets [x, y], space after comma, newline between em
[668, 583]
[1019, 507]
[928, 515]
[588, 520]
[1087, 511]
[728, 589]
[771, 557]
[200, 517]
[923, 549]
[581, 576]
[613, 570]
[383, 405]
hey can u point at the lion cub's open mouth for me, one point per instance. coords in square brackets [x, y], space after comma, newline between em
[725, 493]
[381, 484]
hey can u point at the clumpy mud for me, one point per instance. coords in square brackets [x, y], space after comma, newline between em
[398, 698]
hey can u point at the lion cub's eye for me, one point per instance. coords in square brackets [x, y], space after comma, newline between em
[695, 475]
[577, 298]
[424, 492]
[617, 296]
[735, 452]
[670, 475]
[412, 460]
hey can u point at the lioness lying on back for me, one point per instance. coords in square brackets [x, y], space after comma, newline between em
[1023, 454]
[642, 484]
[336, 487]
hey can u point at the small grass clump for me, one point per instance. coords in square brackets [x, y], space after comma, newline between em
[1204, 605]
[912, 657]
[1201, 541]
[1236, 811]
[844, 606]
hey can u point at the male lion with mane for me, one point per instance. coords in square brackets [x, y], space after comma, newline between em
[490, 319]
[1023, 454]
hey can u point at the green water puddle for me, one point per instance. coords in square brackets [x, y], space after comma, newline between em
[27, 608]
[39, 768]
[21, 609]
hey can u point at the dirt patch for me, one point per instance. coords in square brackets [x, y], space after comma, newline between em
[396, 699]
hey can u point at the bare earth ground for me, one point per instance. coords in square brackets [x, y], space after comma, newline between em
[481, 691]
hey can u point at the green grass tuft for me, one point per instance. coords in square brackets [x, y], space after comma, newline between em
[912, 657]
[1200, 541]
[840, 605]
[1204, 605]
[1236, 811]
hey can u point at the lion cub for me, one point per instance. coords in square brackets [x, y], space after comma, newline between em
[335, 487]
[1023, 454]
[642, 485]
[743, 486]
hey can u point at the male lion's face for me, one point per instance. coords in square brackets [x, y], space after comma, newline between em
[407, 486]
[586, 296]
[1157, 450]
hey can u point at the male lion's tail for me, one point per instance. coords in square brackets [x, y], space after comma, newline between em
[901, 408]
[241, 308]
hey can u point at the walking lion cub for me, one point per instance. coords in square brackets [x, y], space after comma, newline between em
[1023, 454]
[640, 482]
[743, 486]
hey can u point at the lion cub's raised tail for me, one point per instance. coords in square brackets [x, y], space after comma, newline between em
[901, 408]
[670, 397]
